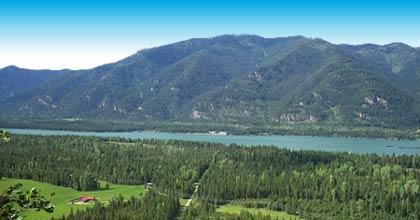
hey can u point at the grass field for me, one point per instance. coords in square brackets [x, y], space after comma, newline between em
[183, 202]
[236, 209]
[64, 195]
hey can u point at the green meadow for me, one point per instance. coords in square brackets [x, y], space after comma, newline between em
[236, 209]
[63, 196]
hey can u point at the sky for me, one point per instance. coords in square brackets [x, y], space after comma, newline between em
[81, 34]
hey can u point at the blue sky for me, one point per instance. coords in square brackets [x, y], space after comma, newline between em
[83, 34]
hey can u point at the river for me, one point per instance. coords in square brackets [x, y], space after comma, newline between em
[356, 145]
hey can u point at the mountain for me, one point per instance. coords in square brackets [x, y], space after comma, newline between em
[14, 80]
[321, 82]
[241, 79]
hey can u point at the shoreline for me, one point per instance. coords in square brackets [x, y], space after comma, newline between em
[152, 132]
[214, 129]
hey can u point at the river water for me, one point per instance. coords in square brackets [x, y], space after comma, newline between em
[356, 145]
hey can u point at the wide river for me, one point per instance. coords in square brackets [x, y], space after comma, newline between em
[357, 145]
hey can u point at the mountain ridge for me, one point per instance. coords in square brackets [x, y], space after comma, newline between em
[14, 79]
[240, 79]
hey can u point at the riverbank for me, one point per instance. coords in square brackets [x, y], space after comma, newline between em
[199, 127]
[341, 144]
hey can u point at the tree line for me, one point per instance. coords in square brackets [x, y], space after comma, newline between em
[190, 126]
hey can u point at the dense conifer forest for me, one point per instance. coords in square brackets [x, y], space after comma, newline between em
[308, 184]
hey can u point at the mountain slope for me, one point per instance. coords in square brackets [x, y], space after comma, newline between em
[241, 79]
[318, 82]
[155, 83]
[14, 80]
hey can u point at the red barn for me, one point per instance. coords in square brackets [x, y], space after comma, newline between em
[86, 198]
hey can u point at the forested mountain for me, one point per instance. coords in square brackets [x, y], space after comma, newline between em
[14, 80]
[241, 79]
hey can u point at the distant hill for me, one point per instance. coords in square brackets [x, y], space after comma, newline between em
[14, 80]
[240, 79]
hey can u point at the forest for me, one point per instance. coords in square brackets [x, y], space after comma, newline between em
[305, 184]
[249, 128]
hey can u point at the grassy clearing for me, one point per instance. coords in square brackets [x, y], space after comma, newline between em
[63, 195]
[121, 143]
[183, 202]
[236, 209]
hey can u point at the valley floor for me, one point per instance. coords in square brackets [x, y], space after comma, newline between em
[235, 182]
[326, 130]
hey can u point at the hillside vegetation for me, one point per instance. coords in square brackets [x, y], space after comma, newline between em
[245, 79]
